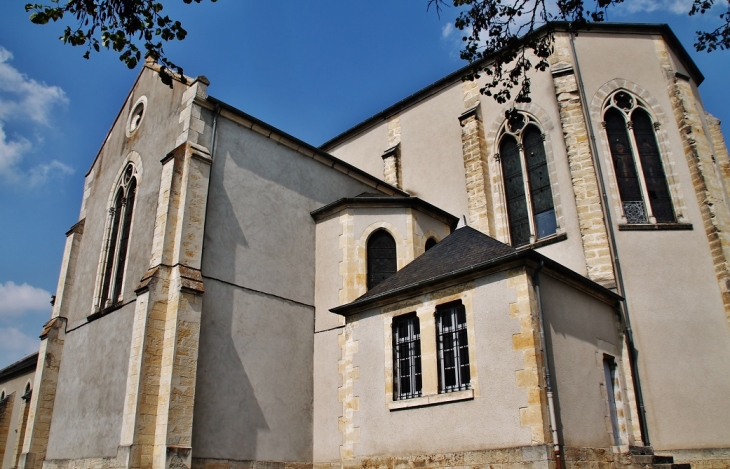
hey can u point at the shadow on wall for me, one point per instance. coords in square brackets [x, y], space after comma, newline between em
[227, 416]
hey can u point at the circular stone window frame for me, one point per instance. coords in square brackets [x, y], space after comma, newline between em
[141, 102]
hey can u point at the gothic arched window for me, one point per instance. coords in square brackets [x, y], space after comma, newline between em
[382, 260]
[530, 207]
[117, 244]
[631, 133]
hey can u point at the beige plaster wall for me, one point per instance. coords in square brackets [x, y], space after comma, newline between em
[366, 149]
[491, 420]
[579, 330]
[152, 141]
[87, 414]
[253, 398]
[17, 386]
[328, 276]
[430, 143]
[433, 166]
[327, 437]
[672, 293]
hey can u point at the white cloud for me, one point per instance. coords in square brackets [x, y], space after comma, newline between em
[680, 7]
[16, 300]
[447, 30]
[38, 175]
[33, 99]
[14, 345]
[11, 153]
[23, 98]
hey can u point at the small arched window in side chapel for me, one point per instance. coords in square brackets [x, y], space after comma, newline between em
[116, 247]
[382, 260]
[642, 183]
[530, 207]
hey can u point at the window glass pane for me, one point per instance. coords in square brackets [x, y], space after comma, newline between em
[124, 240]
[623, 163]
[406, 357]
[514, 188]
[382, 261]
[651, 164]
[539, 181]
[112, 247]
[453, 348]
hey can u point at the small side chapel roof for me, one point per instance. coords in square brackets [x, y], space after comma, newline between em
[370, 200]
[464, 254]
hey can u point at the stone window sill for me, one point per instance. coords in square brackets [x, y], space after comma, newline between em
[654, 226]
[434, 399]
[556, 238]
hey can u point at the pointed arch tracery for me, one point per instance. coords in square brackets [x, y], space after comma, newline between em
[637, 162]
[525, 172]
[116, 244]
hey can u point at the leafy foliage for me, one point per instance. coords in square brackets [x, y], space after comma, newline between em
[119, 25]
[503, 33]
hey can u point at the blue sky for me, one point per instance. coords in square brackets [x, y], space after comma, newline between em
[312, 69]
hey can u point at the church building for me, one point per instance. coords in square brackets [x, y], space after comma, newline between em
[444, 285]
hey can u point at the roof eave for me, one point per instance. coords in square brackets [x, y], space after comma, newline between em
[437, 86]
[415, 202]
[525, 257]
[379, 184]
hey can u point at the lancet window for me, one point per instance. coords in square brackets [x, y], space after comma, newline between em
[382, 259]
[637, 161]
[117, 239]
[529, 198]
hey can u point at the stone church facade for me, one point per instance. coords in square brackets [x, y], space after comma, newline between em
[234, 297]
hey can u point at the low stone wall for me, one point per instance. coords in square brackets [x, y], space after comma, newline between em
[526, 457]
[715, 458]
[200, 463]
[594, 458]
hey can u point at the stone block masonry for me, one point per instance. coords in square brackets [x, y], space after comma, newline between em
[707, 174]
[39, 410]
[532, 377]
[473, 146]
[582, 170]
[6, 412]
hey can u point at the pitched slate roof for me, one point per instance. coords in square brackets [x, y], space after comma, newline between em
[369, 199]
[461, 250]
[465, 254]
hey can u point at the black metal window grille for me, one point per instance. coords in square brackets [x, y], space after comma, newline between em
[382, 260]
[407, 379]
[624, 117]
[453, 348]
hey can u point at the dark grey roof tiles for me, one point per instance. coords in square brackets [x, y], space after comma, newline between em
[460, 250]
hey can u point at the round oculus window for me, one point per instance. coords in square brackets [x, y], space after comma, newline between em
[135, 117]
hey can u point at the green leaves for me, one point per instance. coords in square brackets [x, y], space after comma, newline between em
[124, 26]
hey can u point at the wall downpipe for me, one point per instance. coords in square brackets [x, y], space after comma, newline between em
[612, 245]
[548, 384]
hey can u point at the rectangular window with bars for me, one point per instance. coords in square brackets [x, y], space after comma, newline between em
[453, 348]
[407, 380]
